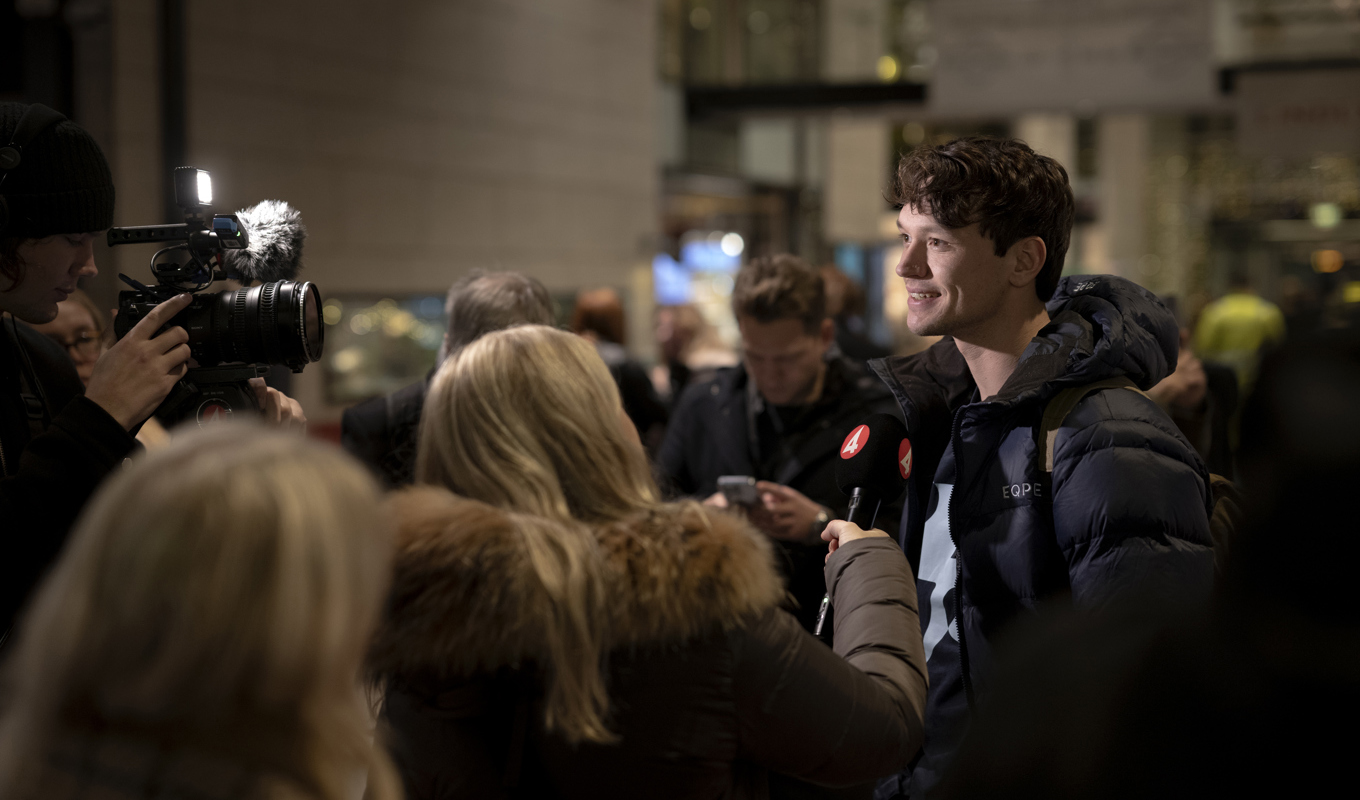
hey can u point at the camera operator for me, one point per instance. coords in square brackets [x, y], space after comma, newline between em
[55, 444]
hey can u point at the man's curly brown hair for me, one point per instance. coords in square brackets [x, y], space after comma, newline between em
[1010, 191]
[780, 286]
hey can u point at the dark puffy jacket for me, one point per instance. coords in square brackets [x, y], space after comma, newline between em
[1125, 512]
[713, 690]
[47, 478]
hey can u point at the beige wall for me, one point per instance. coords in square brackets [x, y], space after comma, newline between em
[1052, 135]
[852, 40]
[433, 137]
[1123, 142]
[418, 139]
[857, 171]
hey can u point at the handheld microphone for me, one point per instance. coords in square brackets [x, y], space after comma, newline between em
[875, 462]
[274, 233]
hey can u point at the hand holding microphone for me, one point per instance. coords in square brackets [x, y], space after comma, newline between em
[840, 531]
[875, 462]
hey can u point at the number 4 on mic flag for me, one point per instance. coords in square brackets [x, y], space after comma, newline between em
[904, 458]
[855, 441]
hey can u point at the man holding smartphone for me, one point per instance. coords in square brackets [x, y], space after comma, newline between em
[778, 417]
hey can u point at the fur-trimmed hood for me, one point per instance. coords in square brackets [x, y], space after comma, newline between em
[466, 599]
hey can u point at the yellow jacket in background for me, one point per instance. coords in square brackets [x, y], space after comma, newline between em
[1233, 329]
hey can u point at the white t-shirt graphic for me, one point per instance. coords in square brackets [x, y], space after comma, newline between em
[938, 567]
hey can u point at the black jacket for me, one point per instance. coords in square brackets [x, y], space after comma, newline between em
[640, 401]
[710, 436]
[1124, 513]
[48, 477]
[382, 433]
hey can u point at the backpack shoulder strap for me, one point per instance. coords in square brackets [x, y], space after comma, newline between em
[1062, 404]
[1228, 517]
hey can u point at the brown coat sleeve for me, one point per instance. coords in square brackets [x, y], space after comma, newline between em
[844, 717]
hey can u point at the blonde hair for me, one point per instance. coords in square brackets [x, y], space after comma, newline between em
[559, 604]
[98, 316]
[529, 420]
[217, 594]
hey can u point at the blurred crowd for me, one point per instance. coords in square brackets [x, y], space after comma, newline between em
[548, 569]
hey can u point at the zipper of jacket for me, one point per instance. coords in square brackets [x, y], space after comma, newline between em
[958, 562]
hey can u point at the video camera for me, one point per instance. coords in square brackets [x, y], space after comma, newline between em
[236, 334]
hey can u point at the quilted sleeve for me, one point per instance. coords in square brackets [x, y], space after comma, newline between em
[1130, 504]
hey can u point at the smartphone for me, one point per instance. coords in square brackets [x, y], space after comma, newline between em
[740, 490]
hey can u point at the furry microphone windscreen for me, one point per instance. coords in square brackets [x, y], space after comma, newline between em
[276, 235]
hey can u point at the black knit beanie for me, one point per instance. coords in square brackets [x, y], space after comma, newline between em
[63, 184]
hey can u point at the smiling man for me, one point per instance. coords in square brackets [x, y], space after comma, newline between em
[1001, 516]
[780, 417]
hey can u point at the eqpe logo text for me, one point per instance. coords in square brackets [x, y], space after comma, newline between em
[1021, 490]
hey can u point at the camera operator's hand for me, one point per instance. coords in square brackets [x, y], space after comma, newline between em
[839, 532]
[131, 378]
[279, 409]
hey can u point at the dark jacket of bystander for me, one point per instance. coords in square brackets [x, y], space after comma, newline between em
[383, 431]
[716, 430]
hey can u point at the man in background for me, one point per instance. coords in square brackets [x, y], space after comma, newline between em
[779, 416]
[599, 318]
[1201, 398]
[1235, 328]
[691, 351]
[846, 304]
[382, 431]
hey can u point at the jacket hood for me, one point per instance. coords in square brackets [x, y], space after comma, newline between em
[1101, 327]
[465, 599]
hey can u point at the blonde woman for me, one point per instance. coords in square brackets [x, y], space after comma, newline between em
[568, 634]
[200, 636]
[78, 327]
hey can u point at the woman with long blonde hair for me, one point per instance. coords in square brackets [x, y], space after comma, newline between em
[556, 629]
[202, 633]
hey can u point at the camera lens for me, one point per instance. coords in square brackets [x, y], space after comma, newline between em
[273, 323]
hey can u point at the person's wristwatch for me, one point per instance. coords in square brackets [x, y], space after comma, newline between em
[818, 525]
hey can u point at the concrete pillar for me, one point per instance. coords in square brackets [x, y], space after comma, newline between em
[91, 25]
[1177, 234]
[852, 40]
[856, 172]
[1052, 135]
[1123, 145]
[133, 140]
[768, 150]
